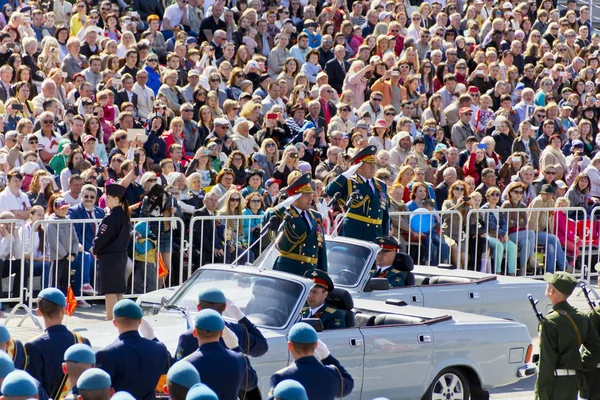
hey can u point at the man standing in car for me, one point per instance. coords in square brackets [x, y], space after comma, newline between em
[316, 307]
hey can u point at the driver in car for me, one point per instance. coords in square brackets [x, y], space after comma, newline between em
[316, 307]
[385, 262]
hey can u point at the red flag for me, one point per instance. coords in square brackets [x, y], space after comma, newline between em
[162, 270]
[71, 302]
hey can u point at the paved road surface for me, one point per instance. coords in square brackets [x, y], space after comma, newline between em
[86, 318]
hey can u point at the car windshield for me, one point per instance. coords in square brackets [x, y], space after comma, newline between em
[345, 261]
[266, 301]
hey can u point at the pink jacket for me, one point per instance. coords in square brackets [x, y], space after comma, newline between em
[564, 228]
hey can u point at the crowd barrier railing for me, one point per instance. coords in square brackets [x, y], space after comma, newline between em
[58, 254]
[527, 241]
[591, 233]
[12, 260]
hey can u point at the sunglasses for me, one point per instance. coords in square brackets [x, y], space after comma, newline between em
[494, 194]
[120, 138]
[47, 121]
[377, 99]
[550, 172]
[153, 60]
[255, 201]
[33, 142]
[89, 197]
[517, 192]
[389, 113]
[270, 145]
[187, 110]
[235, 199]
[459, 189]
[345, 109]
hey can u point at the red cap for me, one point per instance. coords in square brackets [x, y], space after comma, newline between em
[473, 89]
[465, 110]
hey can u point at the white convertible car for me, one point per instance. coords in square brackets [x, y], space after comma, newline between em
[396, 351]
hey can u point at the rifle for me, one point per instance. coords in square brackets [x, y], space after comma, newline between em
[534, 303]
[586, 293]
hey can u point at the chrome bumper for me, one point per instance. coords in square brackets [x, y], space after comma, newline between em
[527, 370]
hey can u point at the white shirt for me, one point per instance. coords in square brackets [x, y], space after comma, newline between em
[174, 14]
[381, 270]
[72, 200]
[10, 202]
[48, 144]
[145, 100]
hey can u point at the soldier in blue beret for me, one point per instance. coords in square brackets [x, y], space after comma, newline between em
[78, 359]
[13, 347]
[367, 216]
[95, 384]
[224, 371]
[134, 363]
[122, 396]
[249, 339]
[46, 352]
[323, 380]
[302, 246]
[397, 275]
[180, 378]
[201, 392]
[290, 389]
[7, 366]
[316, 307]
[19, 385]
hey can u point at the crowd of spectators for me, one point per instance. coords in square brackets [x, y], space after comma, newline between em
[210, 107]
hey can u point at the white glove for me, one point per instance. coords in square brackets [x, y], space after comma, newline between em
[230, 339]
[290, 200]
[352, 170]
[322, 352]
[234, 310]
[146, 330]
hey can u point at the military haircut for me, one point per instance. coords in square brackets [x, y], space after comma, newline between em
[218, 307]
[49, 309]
[127, 322]
[103, 394]
[303, 348]
[76, 369]
[207, 335]
[176, 391]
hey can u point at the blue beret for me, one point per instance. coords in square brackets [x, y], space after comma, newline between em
[54, 295]
[184, 374]
[290, 389]
[6, 365]
[212, 295]
[4, 334]
[122, 395]
[209, 320]
[80, 353]
[201, 392]
[19, 384]
[94, 379]
[128, 309]
[303, 333]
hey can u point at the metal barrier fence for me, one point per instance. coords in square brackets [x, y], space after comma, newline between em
[57, 254]
[592, 241]
[12, 260]
[526, 241]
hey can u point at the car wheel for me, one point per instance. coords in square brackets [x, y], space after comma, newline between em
[450, 384]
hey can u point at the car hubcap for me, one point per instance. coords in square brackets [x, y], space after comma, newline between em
[448, 387]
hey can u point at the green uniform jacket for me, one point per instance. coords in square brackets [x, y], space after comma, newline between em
[395, 277]
[374, 206]
[559, 349]
[331, 317]
[593, 374]
[300, 249]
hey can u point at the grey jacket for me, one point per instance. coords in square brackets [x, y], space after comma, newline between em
[71, 66]
[62, 238]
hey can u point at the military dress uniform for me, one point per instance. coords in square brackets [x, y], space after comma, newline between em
[367, 216]
[224, 371]
[302, 246]
[323, 380]
[593, 375]
[45, 353]
[135, 364]
[16, 350]
[562, 333]
[395, 277]
[331, 317]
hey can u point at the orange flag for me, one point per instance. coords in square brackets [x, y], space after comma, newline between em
[71, 302]
[162, 270]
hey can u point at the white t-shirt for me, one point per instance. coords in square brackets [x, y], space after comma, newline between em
[48, 144]
[10, 202]
[70, 199]
[174, 14]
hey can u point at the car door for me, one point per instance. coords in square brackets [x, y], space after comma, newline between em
[464, 297]
[347, 346]
[411, 295]
[397, 360]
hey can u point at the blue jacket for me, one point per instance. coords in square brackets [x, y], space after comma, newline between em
[46, 354]
[154, 82]
[135, 364]
[490, 223]
[251, 340]
[323, 380]
[79, 212]
[224, 371]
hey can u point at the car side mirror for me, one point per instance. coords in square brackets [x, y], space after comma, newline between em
[376, 284]
[149, 308]
[316, 323]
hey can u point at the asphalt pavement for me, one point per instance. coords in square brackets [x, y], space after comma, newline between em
[93, 318]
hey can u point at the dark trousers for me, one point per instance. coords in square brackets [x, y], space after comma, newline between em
[60, 275]
[12, 267]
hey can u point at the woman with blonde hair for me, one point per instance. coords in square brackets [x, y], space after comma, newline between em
[268, 147]
[235, 240]
[50, 56]
[127, 42]
[287, 164]
[434, 110]
[212, 101]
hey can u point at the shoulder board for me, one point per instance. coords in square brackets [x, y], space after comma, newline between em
[304, 308]
[394, 270]
[282, 370]
[330, 310]
[380, 181]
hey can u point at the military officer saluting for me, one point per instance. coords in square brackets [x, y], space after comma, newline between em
[367, 214]
[316, 307]
[46, 352]
[323, 380]
[386, 263]
[562, 334]
[13, 347]
[246, 336]
[302, 245]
